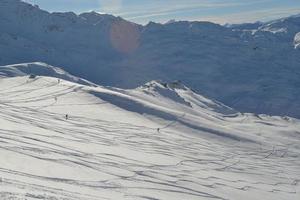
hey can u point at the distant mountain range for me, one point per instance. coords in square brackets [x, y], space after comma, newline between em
[250, 67]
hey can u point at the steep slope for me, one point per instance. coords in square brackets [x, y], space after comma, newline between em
[248, 70]
[250, 67]
[297, 40]
[109, 146]
[80, 43]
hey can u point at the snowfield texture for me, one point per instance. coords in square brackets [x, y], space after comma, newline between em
[250, 67]
[110, 147]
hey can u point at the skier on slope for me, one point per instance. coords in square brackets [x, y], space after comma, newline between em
[67, 116]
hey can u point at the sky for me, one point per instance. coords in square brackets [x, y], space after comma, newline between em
[143, 11]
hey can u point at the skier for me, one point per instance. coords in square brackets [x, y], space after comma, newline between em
[158, 129]
[67, 116]
[58, 81]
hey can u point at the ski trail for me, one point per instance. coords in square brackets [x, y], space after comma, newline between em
[92, 157]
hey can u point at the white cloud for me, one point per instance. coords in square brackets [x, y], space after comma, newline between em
[251, 16]
[167, 8]
[175, 6]
[237, 12]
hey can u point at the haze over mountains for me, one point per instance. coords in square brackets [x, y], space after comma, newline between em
[250, 67]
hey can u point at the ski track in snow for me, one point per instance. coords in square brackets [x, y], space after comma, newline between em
[44, 156]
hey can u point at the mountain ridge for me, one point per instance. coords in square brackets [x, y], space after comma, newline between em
[251, 70]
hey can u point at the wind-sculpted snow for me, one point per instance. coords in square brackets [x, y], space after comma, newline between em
[250, 67]
[109, 146]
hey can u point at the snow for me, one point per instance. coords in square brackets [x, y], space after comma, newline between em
[95, 18]
[274, 30]
[110, 148]
[39, 69]
[297, 40]
[250, 67]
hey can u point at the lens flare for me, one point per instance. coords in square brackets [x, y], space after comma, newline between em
[125, 36]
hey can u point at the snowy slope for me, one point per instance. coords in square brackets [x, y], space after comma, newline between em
[40, 69]
[297, 40]
[250, 67]
[109, 147]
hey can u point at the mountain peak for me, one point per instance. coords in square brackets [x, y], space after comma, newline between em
[155, 84]
[95, 17]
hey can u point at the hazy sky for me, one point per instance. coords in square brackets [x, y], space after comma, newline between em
[143, 11]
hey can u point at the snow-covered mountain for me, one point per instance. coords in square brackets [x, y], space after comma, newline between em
[250, 67]
[158, 141]
[40, 69]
